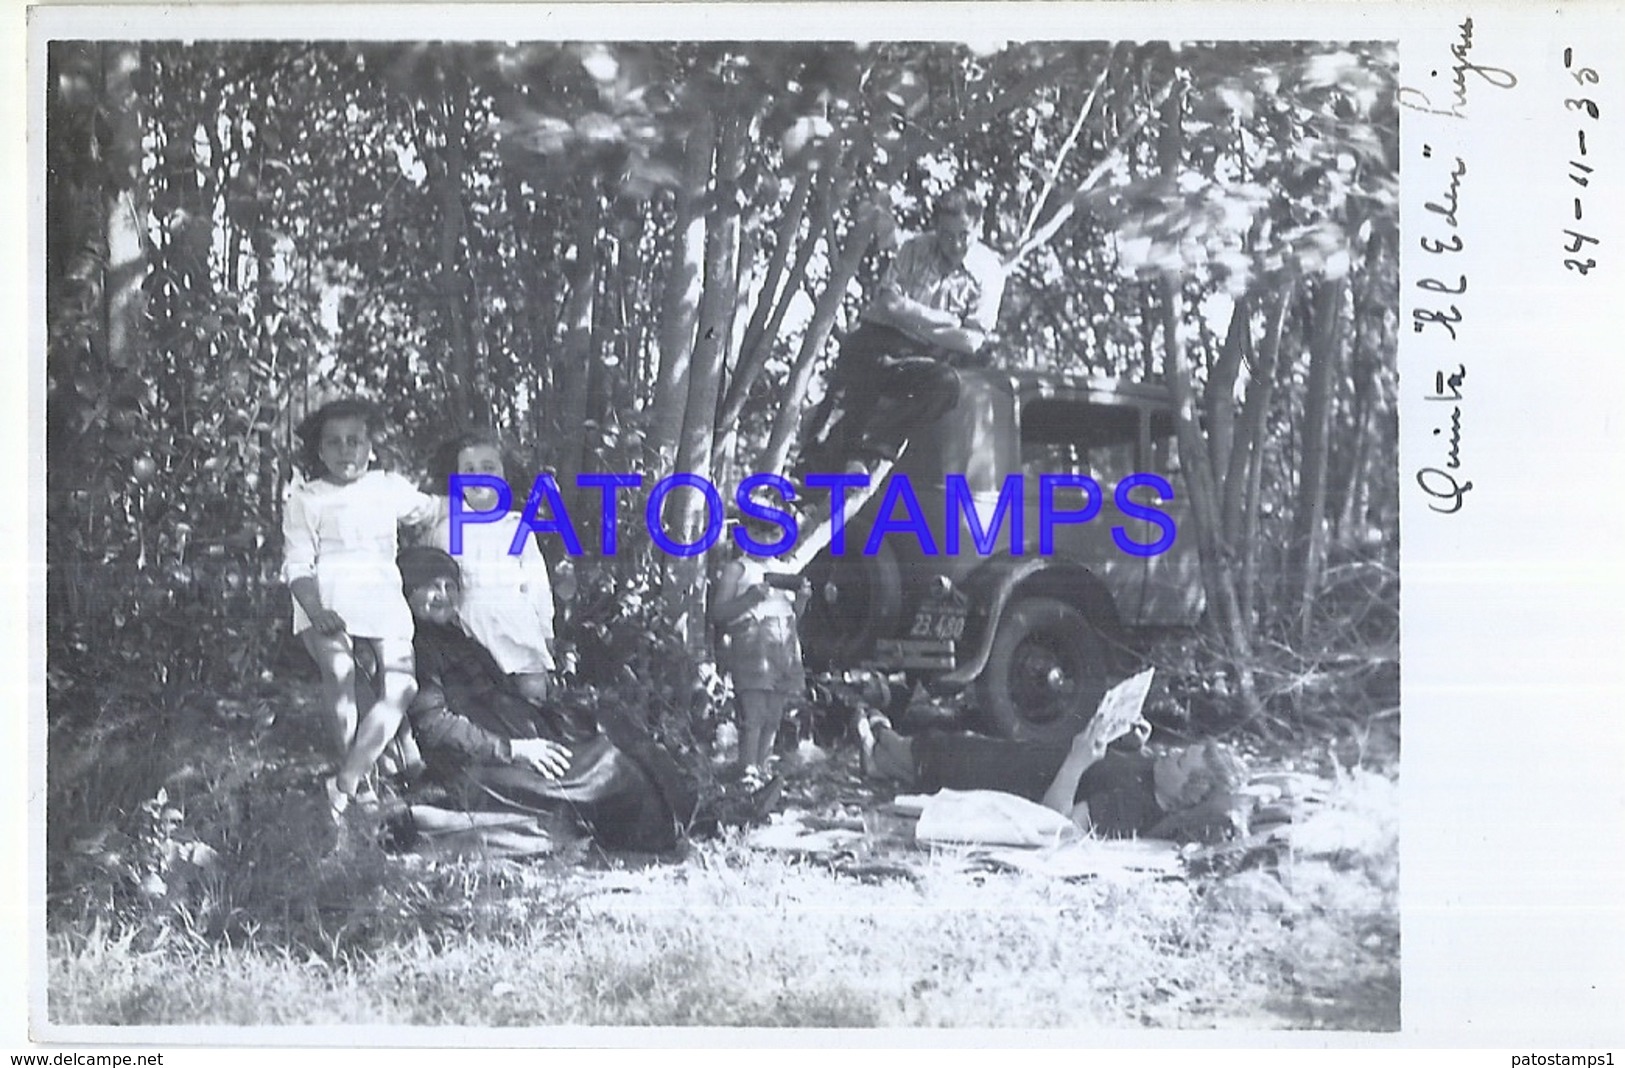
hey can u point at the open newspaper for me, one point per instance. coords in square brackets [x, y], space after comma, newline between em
[1120, 709]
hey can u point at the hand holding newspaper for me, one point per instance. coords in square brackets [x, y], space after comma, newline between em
[1119, 711]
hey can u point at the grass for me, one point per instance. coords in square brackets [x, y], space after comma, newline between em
[282, 930]
[735, 937]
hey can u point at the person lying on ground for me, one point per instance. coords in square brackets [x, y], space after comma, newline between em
[492, 749]
[937, 307]
[1183, 794]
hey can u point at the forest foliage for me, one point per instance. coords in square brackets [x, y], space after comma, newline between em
[641, 258]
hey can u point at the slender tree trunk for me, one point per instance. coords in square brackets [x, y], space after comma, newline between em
[1345, 508]
[1248, 582]
[725, 435]
[715, 331]
[1224, 607]
[784, 238]
[756, 346]
[127, 207]
[1148, 333]
[750, 244]
[1249, 436]
[1219, 397]
[681, 299]
[1354, 488]
[630, 325]
[451, 285]
[541, 321]
[817, 226]
[1309, 540]
[575, 363]
[267, 319]
[1245, 479]
[788, 420]
[1264, 563]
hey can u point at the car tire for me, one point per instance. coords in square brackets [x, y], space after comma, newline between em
[856, 599]
[1045, 675]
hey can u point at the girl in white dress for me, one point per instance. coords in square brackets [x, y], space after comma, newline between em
[340, 537]
[507, 597]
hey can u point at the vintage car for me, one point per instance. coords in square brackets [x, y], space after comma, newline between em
[1034, 633]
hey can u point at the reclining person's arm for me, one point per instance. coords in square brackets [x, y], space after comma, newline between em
[1063, 789]
[437, 726]
[1088, 747]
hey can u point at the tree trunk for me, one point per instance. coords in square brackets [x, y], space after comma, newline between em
[1309, 527]
[607, 362]
[1345, 499]
[1219, 397]
[575, 363]
[541, 320]
[725, 435]
[127, 207]
[1366, 363]
[788, 420]
[1148, 333]
[1224, 608]
[1244, 481]
[681, 299]
[1249, 437]
[757, 344]
[450, 284]
[715, 331]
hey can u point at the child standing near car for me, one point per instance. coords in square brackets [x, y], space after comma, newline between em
[340, 535]
[759, 649]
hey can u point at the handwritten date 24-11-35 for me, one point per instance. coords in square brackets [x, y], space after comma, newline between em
[1581, 173]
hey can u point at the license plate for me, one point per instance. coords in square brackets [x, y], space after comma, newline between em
[949, 626]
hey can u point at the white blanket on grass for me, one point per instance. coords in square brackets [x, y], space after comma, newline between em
[989, 817]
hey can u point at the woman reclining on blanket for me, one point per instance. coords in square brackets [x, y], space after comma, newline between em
[1185, 794]
[495, 751]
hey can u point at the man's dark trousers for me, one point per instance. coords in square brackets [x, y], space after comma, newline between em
[890, 386]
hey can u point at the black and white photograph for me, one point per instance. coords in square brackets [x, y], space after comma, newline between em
[599, 531]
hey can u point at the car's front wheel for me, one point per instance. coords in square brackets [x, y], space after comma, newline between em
[1045, 675]
[856, 599]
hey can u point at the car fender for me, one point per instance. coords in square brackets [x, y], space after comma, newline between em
[998, 582]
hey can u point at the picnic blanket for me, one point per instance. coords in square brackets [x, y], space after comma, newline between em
[989, 817]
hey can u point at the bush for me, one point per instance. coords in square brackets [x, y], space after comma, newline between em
[1335, 674]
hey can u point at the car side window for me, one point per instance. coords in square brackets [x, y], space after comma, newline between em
[1075, 437]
